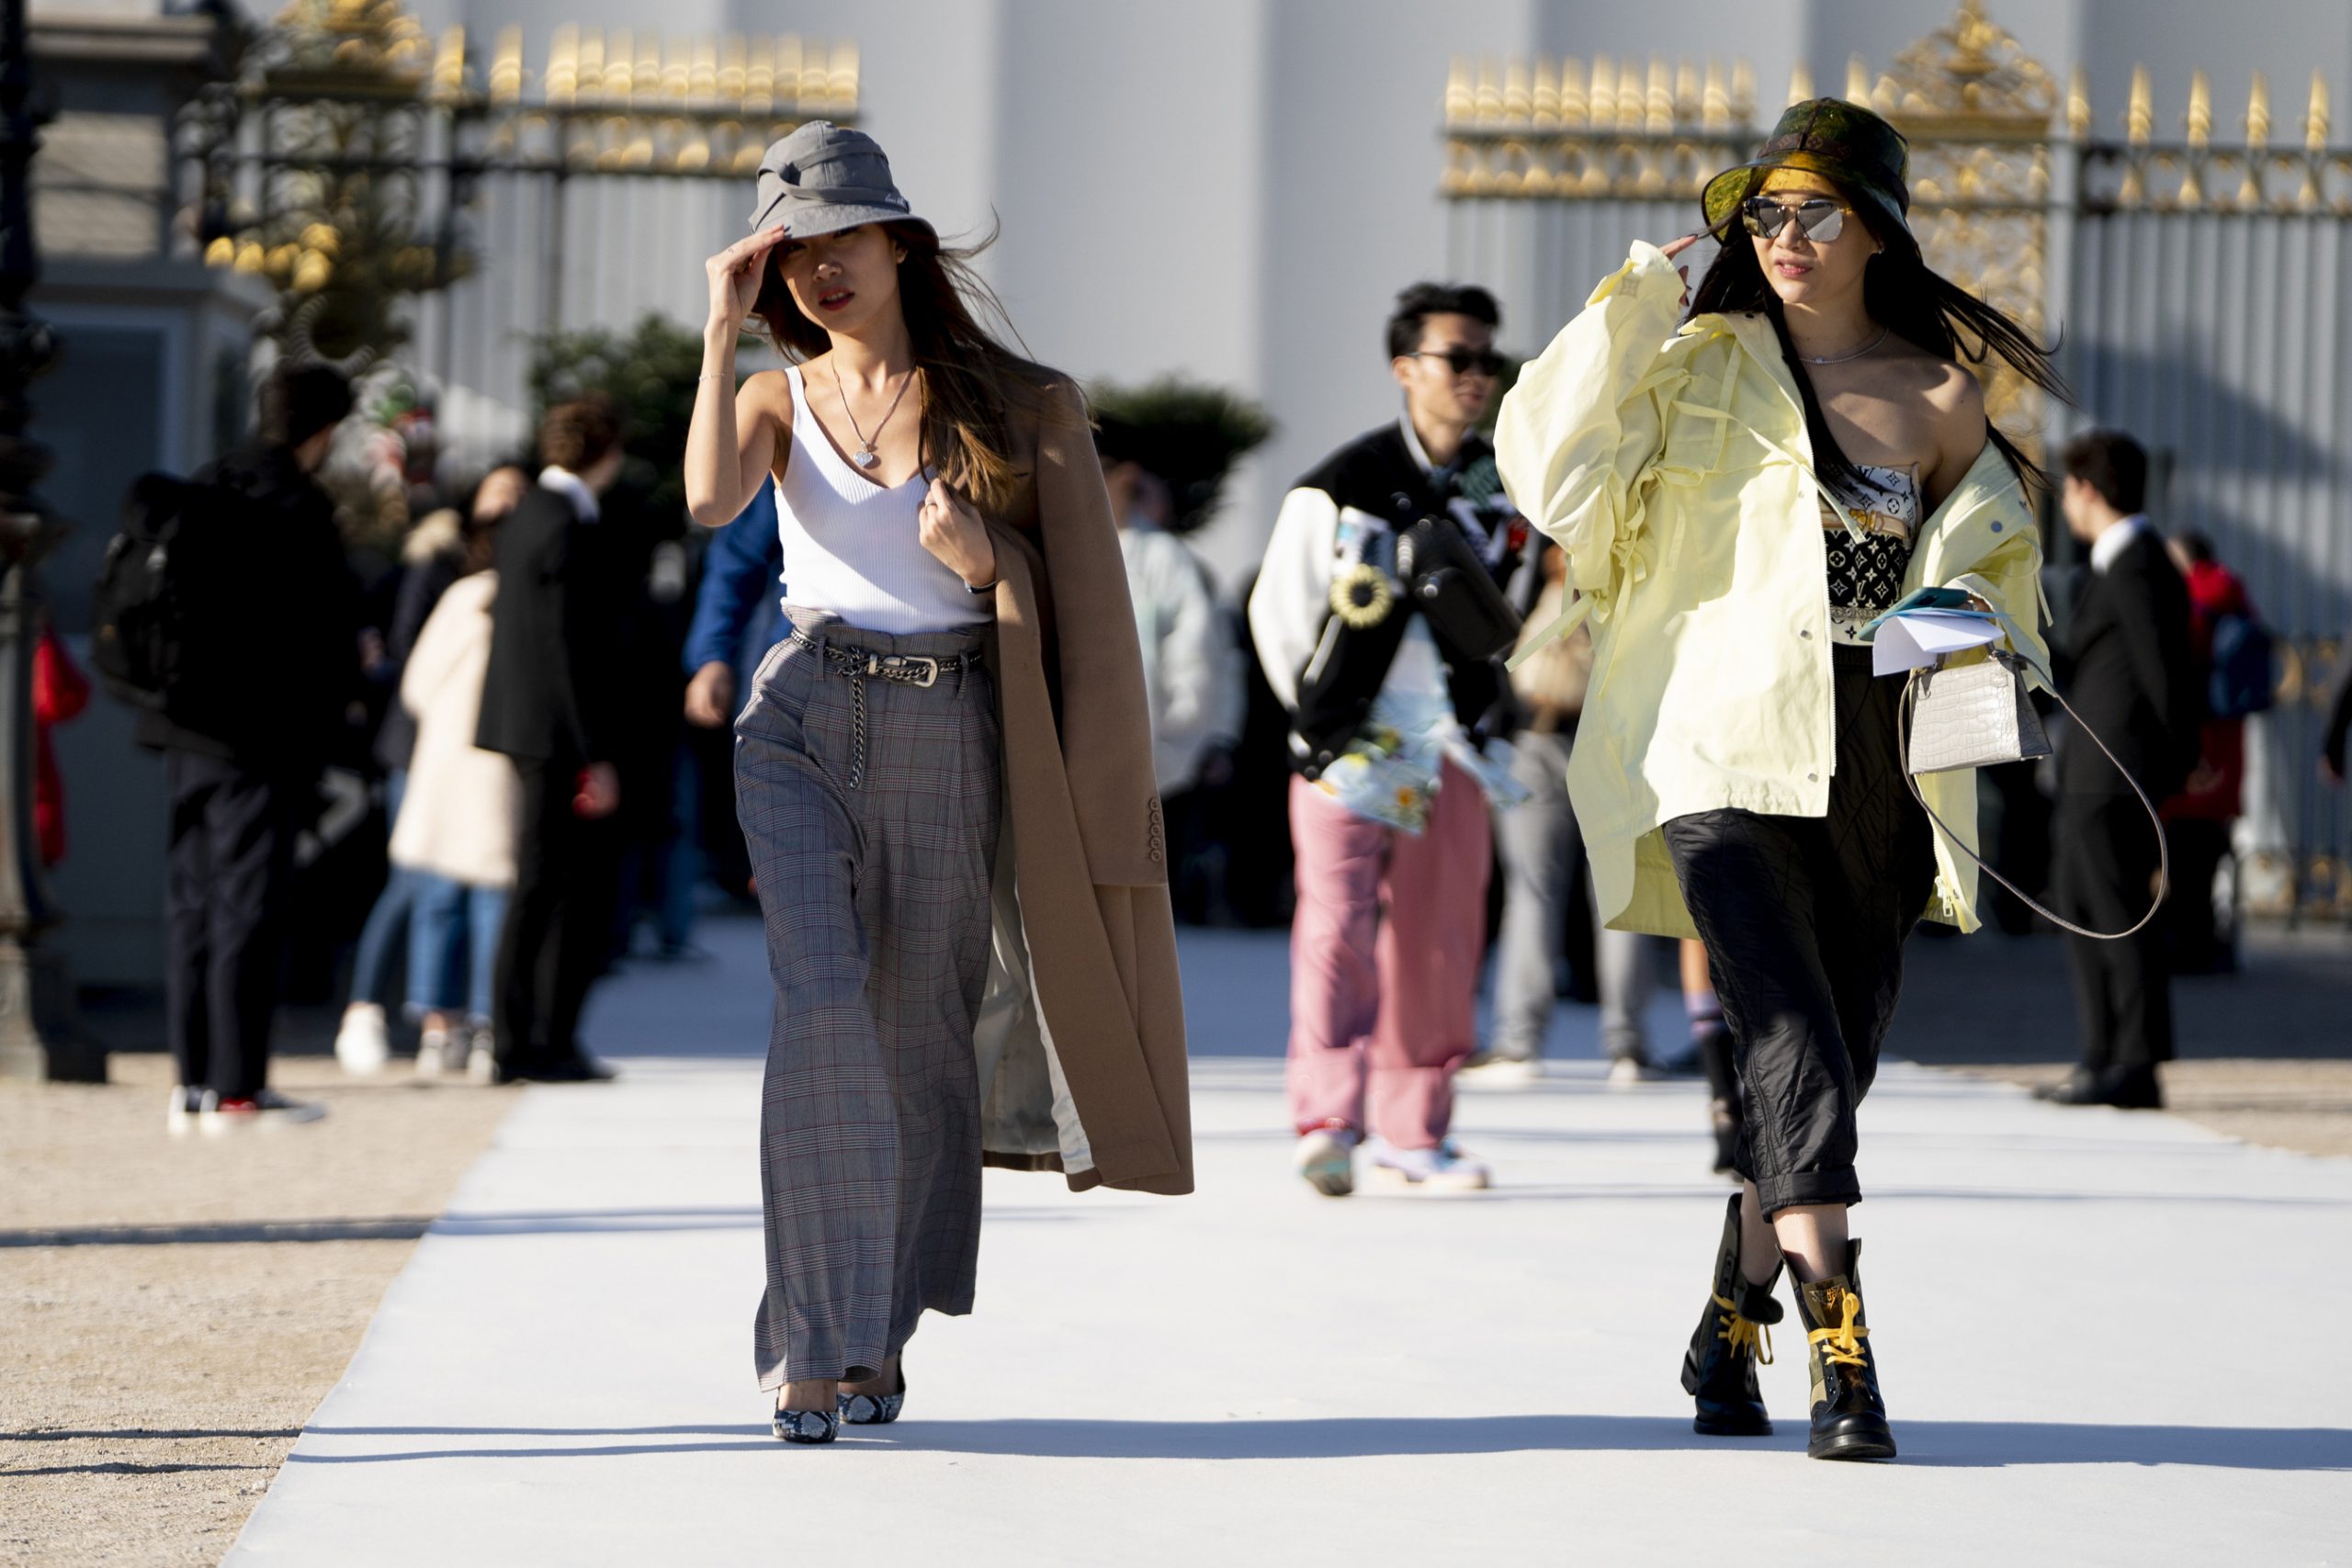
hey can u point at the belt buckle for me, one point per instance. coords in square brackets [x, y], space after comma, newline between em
[892, 667]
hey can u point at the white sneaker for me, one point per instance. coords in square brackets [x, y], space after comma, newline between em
[1500, 1072]
[481, 1058]
[1627, 1071]
[362, 1043]
[1444, 1169]
[269, 1108]
[438, 1054]
[180, 1120]
[1328, 1159]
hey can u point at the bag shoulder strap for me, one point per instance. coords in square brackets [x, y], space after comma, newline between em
[2164, 850]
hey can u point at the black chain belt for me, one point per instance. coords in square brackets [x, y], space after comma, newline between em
[864, 664]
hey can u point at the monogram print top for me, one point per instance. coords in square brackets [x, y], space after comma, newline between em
[1866, 568]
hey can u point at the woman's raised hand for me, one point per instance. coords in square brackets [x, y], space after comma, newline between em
[735, 274]
[1674, 248]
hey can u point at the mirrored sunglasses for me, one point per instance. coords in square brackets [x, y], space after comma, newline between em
[1485, 361]
[1816, 220]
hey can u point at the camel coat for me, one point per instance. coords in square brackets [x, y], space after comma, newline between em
[1080, 1035]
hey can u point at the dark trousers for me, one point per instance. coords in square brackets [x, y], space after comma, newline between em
[1805, 920]
[2107, 870]
[2200, 943]
[230, 861]
[558, 932]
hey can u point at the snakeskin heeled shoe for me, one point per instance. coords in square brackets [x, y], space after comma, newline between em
[874, 1409]
[808, 1425]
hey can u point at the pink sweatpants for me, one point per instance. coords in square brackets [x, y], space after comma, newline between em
[1384, 962]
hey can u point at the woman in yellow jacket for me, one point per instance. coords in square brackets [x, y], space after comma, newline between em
[1738, 493]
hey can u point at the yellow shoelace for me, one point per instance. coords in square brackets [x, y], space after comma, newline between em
[1745, 1336]
[1843, 1344]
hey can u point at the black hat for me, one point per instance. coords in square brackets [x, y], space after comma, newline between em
[1834, 139]
[299, 400]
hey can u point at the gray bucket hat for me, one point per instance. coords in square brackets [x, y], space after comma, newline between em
[824, 177]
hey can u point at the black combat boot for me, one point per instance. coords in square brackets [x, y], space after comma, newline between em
[1849, 1416]
[1719, 1370]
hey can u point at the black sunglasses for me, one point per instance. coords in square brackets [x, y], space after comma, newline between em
[1816, 220]
[1485, 361]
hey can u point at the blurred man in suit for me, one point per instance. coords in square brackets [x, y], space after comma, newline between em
[2127, 665]
[554, 700]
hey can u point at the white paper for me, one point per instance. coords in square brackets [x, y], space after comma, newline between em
[1917, 638]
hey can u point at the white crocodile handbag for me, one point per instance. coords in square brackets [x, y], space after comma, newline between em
[1973, 715]
[1979, 715]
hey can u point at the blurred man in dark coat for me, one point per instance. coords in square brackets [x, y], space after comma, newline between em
[556, 701]
[266, 665]
[2127, 666]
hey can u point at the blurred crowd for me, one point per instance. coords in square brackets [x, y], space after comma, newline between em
[453, 788]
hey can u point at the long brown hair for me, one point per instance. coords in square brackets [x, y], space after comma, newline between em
[1902, 294]
[970, 379]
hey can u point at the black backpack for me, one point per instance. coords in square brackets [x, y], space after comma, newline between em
[138, 615]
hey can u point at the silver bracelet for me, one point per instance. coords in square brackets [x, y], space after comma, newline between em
[716, 376]
[988, 587]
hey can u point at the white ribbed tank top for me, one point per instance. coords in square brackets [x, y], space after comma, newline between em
[852, 547]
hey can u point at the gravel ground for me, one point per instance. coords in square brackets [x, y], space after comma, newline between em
[2301, 1105]
[172, 1309]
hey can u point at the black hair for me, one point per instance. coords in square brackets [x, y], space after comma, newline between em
[1902, 294]
[1416, 305]
[971, 377]
[2197, 547]
[2112, 464]
[299, 400]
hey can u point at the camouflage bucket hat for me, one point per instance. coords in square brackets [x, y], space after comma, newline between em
[1831, 138]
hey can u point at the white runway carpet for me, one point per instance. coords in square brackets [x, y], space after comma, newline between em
[2105, 1339]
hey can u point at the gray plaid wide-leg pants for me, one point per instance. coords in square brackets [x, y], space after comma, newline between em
[871, 809]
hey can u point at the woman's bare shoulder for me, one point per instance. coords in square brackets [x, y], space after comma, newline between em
[1955, 400]
[768, 386]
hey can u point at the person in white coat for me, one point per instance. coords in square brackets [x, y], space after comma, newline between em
[456, 835]
[1191, 663]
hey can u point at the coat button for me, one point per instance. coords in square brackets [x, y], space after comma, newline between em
[1813, 778]
[1807, 635]
[1997, 527]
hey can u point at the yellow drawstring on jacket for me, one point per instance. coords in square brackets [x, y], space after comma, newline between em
[1745, 1336]
[1843, 1344]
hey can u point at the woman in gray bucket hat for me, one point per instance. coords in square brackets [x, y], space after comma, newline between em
[944, 775]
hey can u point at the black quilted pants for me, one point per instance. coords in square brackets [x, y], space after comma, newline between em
[1803, 921]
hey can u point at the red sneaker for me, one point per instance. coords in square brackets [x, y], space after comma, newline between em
[267, 1109]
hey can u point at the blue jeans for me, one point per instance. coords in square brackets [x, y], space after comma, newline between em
[453, 945]
[372, 975]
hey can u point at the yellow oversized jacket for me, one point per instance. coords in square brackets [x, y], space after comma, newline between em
[1673, 467]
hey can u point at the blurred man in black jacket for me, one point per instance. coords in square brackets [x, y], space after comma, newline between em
[554, 700]
[2127, 665]
[266, 650]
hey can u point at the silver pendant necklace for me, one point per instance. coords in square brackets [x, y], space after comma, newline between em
[1842, 359]
[866, 457]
